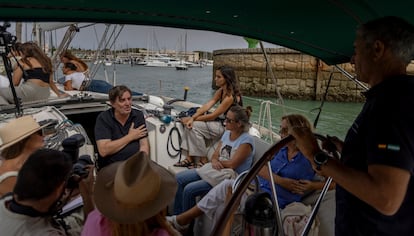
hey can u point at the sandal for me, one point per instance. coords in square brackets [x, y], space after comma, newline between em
[197, 165]
[184, 163]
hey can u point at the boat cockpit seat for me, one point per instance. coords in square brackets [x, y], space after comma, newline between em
[261, 147]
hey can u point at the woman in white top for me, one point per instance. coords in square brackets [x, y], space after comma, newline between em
[73, 79]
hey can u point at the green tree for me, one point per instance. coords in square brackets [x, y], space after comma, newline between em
[252, 43]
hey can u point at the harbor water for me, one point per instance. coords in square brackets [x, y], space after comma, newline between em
[335, 118]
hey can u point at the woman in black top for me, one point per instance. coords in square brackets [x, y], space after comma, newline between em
[36, 71]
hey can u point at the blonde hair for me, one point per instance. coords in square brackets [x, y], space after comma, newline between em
[297, 120]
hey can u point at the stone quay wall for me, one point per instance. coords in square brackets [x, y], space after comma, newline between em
[297, 75]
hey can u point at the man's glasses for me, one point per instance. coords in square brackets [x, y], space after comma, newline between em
[228, 120]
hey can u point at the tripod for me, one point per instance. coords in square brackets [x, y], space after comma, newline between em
[6, 41]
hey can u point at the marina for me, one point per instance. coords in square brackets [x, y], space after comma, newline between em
[335, 119]
[166, 92]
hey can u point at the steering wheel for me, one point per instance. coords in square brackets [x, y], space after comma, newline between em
[267, 156]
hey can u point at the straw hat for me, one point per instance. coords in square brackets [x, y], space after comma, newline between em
[18, 129]
[133, 190]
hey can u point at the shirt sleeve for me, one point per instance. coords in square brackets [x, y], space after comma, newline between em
[67, 78]
[102, 129]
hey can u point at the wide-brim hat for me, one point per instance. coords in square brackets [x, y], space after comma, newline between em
[133, 190]
[18, 129]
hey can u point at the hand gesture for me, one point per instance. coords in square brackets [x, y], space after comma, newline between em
[216, 164]
[289, 184]
[137, 133]
[305, 141]
[332, 144]
[302, 186]
[86, 184]
[188, 121]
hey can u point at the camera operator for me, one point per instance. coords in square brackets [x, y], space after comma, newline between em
[38, 194]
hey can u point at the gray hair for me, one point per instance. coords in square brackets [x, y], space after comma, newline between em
[396, 33]
[242, 115]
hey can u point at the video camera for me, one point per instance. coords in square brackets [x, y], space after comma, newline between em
[71, 147]
[7, 40]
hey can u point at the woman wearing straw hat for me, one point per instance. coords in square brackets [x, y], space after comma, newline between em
[20, 138]
[131, 198]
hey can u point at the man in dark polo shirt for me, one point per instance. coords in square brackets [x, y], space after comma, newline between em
[375, 176]
[120, 131]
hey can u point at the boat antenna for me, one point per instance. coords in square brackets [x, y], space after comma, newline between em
[7, 40]
[315, 123]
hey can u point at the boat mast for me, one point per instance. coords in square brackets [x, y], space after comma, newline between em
[19, 26]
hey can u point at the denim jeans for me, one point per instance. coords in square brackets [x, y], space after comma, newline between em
[190, 186]
[101, 86]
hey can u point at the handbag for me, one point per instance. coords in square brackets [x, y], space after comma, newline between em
[295, 216]
[190, 112]
[213, 176]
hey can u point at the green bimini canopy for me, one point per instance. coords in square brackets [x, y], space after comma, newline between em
[321, 28]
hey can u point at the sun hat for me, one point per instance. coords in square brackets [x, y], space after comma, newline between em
[133, 190]
[18, 129]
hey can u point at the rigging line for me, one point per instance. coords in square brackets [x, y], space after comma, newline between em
[85, 26]
[64, 45]
[112, 39]
[271, 72]
[97, 54]
[315, 123]
[116, 36]
[96, 34]
[353, 78]
[108, 39]
[288, 108]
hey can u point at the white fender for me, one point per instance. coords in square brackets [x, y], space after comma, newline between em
[254, 132]
[157, 101]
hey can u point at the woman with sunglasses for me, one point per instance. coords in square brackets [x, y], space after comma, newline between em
[21, 137]
[292, 173]
[235, 150]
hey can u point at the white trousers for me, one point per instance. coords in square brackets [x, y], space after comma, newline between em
[197, 136]
[27, 91]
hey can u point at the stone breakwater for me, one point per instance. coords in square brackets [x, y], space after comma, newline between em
[298, 76]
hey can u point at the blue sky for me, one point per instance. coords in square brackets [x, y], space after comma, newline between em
[134, 36]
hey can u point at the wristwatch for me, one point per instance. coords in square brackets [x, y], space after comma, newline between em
[320, 158]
